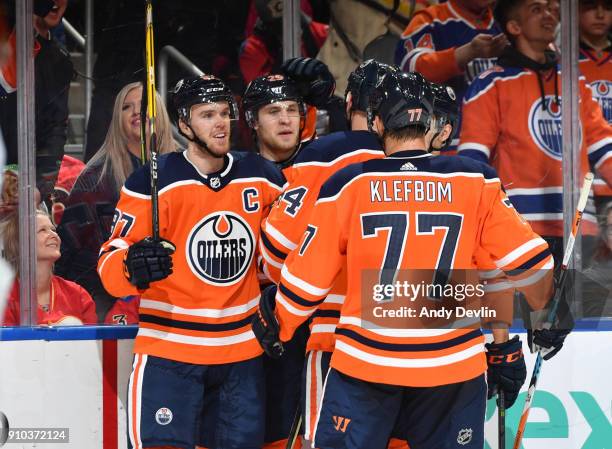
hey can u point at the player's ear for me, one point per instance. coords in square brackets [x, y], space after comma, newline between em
[184, 128]
[446, 132]
[348, 102]
[378, 125]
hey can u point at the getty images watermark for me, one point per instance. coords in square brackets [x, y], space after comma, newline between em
[429, 299]
[20, 435]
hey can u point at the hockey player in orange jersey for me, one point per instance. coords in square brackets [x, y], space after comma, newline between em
[288, 220]
[198, 372]
[512, 120]
[280, 108]
[373, 215]
[276, 112]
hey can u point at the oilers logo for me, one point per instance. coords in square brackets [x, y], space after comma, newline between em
[602, 92]
[545, 126]
[477, 66]
[163, 416]
[220, 248]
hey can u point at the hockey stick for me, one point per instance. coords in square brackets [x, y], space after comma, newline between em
[584, 195]
[295, 429]
[501, 420]
[152, 114]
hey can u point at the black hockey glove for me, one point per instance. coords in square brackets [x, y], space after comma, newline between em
[506, 369]
[541, 334]
[549, 341]
[265, 325]
[148, 261]
[314, 78]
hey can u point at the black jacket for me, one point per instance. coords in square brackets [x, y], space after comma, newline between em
[53, 73]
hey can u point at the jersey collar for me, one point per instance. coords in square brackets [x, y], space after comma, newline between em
[216, 180]
[591, 53]
[412, 154]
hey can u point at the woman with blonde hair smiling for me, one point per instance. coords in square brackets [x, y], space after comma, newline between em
[60, 302]
[90, 208]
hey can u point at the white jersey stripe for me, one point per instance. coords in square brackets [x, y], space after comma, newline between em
[278, 236]
[387, 332]
[202, 313]
[399, 362]
[303, 285]
[518, 252]
[292, 310]
[199, 341]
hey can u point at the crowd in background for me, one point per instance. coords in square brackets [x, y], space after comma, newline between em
[491, 62]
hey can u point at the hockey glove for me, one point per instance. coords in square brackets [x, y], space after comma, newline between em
[541, 334]
[148, 261]
[316, 82]
[549, 341]
[506, 369]
[265, 325]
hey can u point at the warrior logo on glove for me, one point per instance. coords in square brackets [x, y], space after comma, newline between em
[220, 248]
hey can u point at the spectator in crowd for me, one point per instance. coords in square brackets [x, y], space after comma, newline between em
[69, 171]
[512, 120]
[595, 22]
[596, 65]
[90, 207]
[53, 73]
[597, 285]
[207, 33]
[451, 42]
[60, 302]
[262, 52]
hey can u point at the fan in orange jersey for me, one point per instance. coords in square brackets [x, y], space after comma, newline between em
[198, 372]
[451, 43]
[288, 220]
[596, 65]
[512, 120]
[389, 217]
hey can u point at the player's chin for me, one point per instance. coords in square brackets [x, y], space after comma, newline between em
[286, 141]
[219, 149]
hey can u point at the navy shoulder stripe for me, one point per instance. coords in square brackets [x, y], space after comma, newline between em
[334, 145]
[489, 77]
[339, 179]
[252, 165]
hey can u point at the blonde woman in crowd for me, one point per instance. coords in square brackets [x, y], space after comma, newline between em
[60, 302]
[90, 208]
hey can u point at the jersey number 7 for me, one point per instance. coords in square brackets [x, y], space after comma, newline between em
[397, 225]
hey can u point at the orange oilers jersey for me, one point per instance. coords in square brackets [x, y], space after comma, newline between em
[428, 44]
[597, 69]
[288, 219]
[508, 123]
[405, 212]
[202, 312]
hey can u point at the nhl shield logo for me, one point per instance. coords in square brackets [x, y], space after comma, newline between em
[464, 436]
[163, 416]
[215, 182]
[220, 248]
